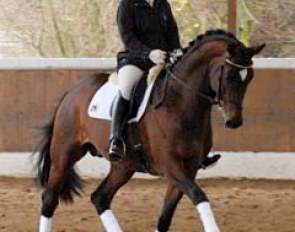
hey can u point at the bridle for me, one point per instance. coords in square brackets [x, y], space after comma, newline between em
[216, 100]
[227, 60]
[231, 63]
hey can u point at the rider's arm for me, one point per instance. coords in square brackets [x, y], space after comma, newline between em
[127, 29]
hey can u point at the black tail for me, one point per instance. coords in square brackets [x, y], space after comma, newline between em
[43, 162]
[73, 182]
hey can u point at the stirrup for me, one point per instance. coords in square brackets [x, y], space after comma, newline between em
[115, 151]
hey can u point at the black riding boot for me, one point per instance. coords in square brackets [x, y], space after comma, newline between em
[120, 111]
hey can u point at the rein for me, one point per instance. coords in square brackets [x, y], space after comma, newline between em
[212, 100]
[205, 96]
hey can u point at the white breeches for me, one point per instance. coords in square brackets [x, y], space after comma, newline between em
[128, 76]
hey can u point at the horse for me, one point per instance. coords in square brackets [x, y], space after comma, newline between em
[176, 136]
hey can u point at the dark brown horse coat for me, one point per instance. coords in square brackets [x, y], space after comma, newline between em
[176, 136]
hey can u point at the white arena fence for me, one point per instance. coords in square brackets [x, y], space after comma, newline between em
[107, 64]
[268, 165]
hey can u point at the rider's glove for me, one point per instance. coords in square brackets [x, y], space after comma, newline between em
[157, 56]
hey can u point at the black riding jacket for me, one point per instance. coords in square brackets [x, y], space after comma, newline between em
[144, 28]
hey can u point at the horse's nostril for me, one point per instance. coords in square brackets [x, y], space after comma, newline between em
[233, 124]
[229, 123]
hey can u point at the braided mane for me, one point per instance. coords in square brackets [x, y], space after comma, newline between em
[211, 35]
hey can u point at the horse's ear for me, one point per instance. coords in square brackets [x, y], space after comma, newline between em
[255, 50]
[232, 49]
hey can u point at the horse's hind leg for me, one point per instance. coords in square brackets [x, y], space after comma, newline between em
[173, 196]
[62, 181]
[119, 175]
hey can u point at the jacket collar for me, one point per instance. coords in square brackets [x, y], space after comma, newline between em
[145, 3]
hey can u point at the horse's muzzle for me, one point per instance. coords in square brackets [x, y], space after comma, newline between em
[233, 119]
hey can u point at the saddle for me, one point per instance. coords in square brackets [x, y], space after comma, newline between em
[143, 95]
[158, 75]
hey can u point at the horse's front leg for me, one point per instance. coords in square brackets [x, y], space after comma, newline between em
[173, 196]
[187, 185]
[119, 175]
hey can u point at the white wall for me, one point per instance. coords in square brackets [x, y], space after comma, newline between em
[110, 63]
[268, 165]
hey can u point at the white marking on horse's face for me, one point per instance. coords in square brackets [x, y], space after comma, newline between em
[243, 74]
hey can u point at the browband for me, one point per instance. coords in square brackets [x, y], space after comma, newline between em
[237, 65]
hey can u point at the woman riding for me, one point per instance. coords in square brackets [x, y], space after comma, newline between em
[148, 31]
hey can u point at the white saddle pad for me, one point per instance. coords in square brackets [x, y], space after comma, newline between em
[101, 103]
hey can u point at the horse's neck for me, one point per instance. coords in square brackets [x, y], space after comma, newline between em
[184, 100]
[192, 81]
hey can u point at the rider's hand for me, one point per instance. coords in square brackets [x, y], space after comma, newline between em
[157, 56]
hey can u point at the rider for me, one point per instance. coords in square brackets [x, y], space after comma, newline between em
[148, 31]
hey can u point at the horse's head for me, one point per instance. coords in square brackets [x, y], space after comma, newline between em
[230, 83]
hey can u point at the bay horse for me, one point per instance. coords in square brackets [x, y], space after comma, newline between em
[177, 135]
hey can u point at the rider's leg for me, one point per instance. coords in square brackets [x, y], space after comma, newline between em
[128, 76]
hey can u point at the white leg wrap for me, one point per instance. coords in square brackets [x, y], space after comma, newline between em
[110, 222]
[45, 224]
[207, 217]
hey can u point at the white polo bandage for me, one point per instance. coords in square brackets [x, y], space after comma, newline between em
[207, 217]
[45, 224]
[110, 222]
